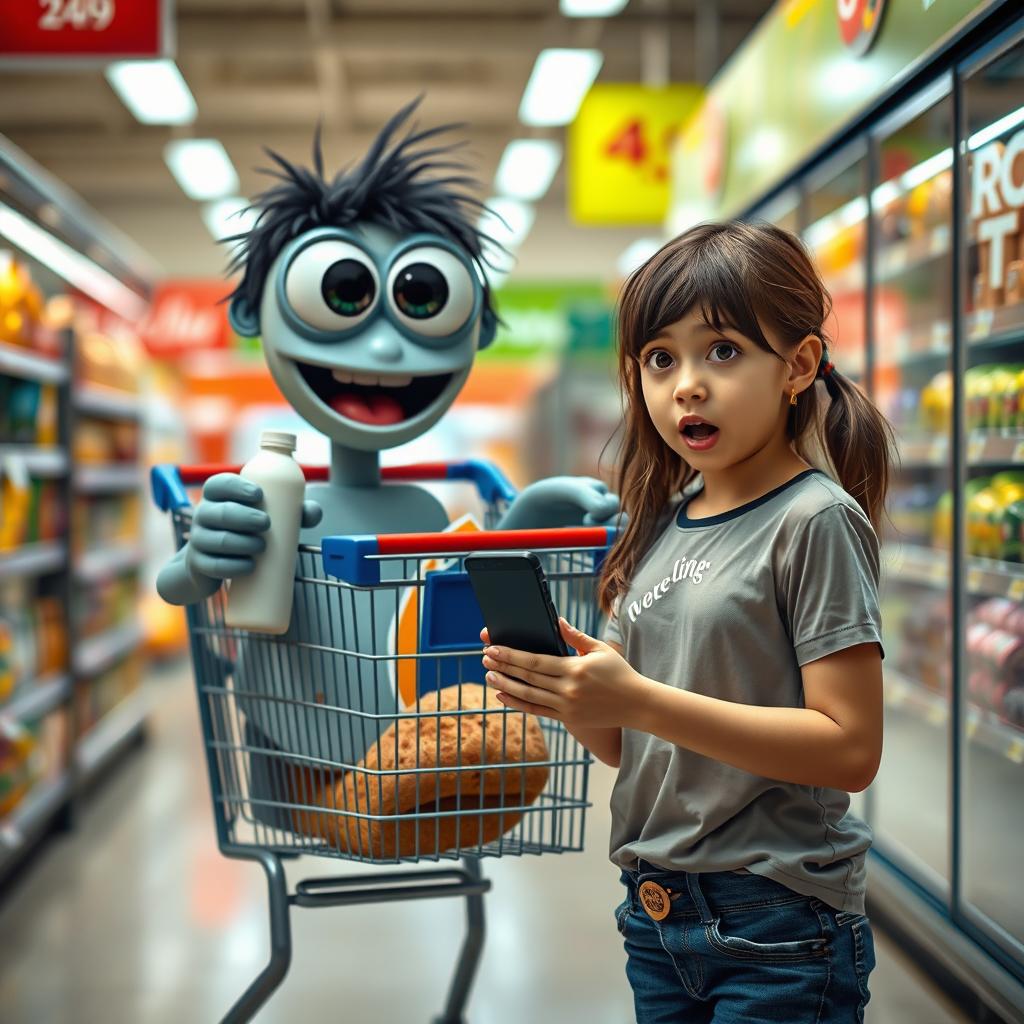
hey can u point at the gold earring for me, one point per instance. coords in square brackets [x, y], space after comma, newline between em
[792, 397]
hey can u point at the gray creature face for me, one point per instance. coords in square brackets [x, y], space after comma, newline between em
[370, 335]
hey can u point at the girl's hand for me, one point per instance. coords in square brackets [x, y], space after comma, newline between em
[597, 689]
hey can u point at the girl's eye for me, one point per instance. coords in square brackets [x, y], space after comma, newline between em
[726, 345]
[651, 356]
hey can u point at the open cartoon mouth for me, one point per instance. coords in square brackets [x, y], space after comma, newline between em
[374, 404]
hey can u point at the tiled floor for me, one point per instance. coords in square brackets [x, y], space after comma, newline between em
[137, 918]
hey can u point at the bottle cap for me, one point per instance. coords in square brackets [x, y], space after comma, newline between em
[277, 439]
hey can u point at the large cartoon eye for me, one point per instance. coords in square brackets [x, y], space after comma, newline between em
[332, 285]
[431, 291]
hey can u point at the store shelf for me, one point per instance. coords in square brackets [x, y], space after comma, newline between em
[899, 258]
[39, 460]
[28, 365]
[982, 727]
[108, 479]
[984, 448]
[107, 403]
[990, 327]
[927, 347]
[108, 737]
[991, 448]
[38, 698]
[104, 563]
[30, 818]
[96, 653]
[930, 450]
[986, 577]
[32, 559]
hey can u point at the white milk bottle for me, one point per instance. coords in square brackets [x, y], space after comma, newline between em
[262, 601]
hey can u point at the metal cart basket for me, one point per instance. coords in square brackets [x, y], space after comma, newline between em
[365, 733]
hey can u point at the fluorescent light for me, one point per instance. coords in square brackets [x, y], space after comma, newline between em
[994, 130]
[202, 168]
[559, 81]
[927, 169]
[591, 8]
[823, 230]
[153, 90]
[228, 217]
[637, 253]
[79, 271]
[527, 168]
[885, 193]
[517, 215]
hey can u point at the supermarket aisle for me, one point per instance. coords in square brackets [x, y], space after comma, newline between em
[149, 924]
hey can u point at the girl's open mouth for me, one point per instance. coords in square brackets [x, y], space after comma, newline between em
[699, 437]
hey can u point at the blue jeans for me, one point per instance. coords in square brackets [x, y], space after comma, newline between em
[742, 949]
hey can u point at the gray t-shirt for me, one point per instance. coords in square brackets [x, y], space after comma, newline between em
[731, 606]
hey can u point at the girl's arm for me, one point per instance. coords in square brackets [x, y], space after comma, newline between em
[604, 744]
[834, 741]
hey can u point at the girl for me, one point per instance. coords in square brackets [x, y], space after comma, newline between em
[738, 685]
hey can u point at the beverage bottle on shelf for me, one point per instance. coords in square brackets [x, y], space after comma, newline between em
[262, 601]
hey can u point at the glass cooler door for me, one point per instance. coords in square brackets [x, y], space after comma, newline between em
[912, 314]
[835, 211]
[992, 737]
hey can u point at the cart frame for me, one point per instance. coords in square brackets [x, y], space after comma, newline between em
[358, 560]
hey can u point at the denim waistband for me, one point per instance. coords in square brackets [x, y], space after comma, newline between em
[702, 894]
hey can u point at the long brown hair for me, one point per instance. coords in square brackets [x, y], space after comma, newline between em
[740, 275]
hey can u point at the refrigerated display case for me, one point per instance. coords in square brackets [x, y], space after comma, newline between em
[911, 270]
[915, 217]
[992, 727]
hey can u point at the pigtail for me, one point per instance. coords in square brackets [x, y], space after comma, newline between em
[860, 444]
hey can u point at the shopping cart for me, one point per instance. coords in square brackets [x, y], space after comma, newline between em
[364, 733]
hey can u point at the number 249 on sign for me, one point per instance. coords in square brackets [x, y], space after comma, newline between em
[76, 14]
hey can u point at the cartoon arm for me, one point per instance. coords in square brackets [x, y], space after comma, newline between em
[563, 501]
[225, 535]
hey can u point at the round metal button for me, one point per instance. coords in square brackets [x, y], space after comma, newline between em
[655, 900]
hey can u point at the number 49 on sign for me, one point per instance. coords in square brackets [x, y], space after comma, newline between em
[620, 149]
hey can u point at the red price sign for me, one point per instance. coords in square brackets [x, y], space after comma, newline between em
[89, 29]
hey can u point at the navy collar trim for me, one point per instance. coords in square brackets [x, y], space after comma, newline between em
[684, 522]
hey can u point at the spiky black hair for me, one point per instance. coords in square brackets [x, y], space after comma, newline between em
[387, 188]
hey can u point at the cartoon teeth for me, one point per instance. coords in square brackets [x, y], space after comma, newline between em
[372, 379]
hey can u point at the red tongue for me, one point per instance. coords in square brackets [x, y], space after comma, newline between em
[377, 410]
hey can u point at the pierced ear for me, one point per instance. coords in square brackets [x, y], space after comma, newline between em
[243, 318]
[488, 327]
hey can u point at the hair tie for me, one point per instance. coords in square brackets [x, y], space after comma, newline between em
[827, 369]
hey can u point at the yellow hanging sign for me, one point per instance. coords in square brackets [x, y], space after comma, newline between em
[619, 148]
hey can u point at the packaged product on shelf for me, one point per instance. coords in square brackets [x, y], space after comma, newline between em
[30, 510]
[911, 509]
[19, 767]
[101, 694]
[996, 611]
[7, 676]
[108, 363]
[21, 303]
[942, 522]
[937, 403]
[22, 411]
[106, 441]
[101, 521]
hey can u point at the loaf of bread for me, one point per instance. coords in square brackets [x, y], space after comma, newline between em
[459, 744]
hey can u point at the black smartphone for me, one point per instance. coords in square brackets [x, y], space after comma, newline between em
[512, 592]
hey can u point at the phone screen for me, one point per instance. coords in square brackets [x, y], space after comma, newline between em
[512, 592]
